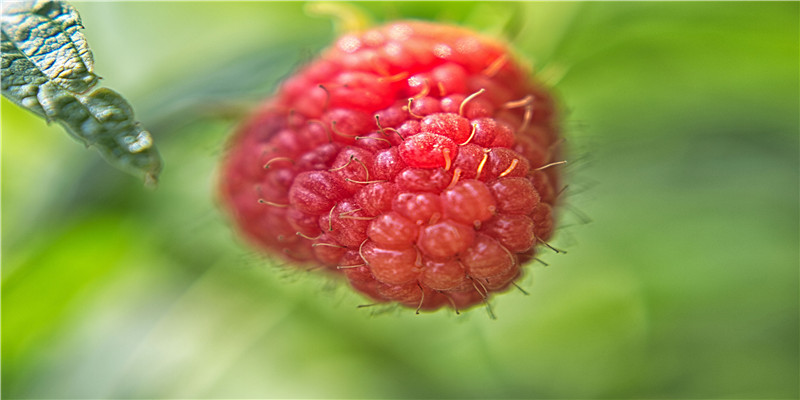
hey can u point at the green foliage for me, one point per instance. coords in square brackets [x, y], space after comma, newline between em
[47, 68]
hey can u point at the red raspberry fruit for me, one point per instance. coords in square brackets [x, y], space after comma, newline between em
[411, 158]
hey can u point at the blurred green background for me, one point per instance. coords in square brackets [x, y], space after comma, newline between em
[681, 278]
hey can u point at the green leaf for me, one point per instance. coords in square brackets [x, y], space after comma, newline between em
[47, 34]
[47, 68]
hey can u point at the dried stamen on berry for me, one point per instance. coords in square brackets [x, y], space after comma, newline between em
[270, 203]
[327, 97]
[336, 131]
[350, 266]
[471, 135]
[324, 126]
[495, 66]
[510, 256]
[483, 162]
[266, 166]
[526, 117]
[373, 138]
[456, 177]
[364, 182]
[348, 215]
[394, 78]
[447, 159]
[486, 301]
[468, 99]
[552, 164]
[378, 122]
[527, 103]
[475, 284]
[304, 236]
[442, 89]
[523, 102]
[452, 302]
[349, 212]
[426, 89]
[366, 170]
[510, 168]
[395, 131]
[357, 217]
[328, 245]
[408, 108]
[352, 157]
[361, 252]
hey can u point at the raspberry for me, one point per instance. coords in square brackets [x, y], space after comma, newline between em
[413, 159]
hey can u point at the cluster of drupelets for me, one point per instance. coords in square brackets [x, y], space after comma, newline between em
[415, 158]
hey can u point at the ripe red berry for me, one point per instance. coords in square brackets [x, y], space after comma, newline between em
[412, 158]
